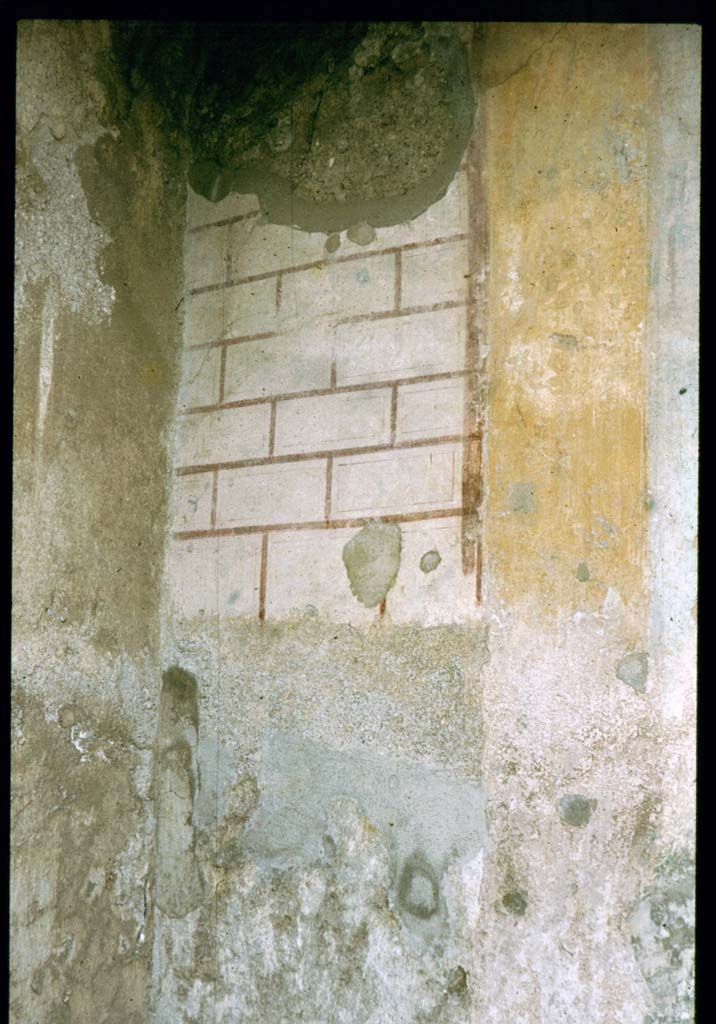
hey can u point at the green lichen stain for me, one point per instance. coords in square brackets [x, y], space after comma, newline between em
[633, 670]
[372, 560]
[333, 242]
[430, 561]
[521, 498]
[575, 810]
[515, 902]
[582, 572]
[565, 341]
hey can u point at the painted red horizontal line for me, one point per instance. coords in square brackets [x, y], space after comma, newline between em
[224, 221]
[319, 524]
[342, 389]
[356, 318]
[389, 314]
[261, 336]
[273, 460]
[315, 264]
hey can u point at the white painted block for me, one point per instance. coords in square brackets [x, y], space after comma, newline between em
[190, 578]
[214, 575]
[297, 361]
[434, 409]
[340, 289]
[333, 421]
[204, 320]
[440, 597]
[223, 436]
[205, 257]
[192, 497]
[200, 377]
[239, 575]
[259, 248]
[406, 346]
[265, 495]
[436, 274]
[306, 575]
[415, 480]
[203, 211]
[249, 308]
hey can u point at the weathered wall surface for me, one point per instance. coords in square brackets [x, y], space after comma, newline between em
[362, 738]
[99, 222]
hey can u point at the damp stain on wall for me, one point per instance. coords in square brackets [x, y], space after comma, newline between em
[372, 560]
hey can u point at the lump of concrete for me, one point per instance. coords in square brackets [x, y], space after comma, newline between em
[633, 670]
[372, 559]
[575, 810]
[361, 234]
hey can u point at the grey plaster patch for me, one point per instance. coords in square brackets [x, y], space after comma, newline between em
[662, 934]
[372, 560]
[427, 818]
[361, 234]
[565, 341]
[575, 810]
[521, 498]
[179, 881]
[430, 561]
[55, 236]
[333, 242]
[633, 670]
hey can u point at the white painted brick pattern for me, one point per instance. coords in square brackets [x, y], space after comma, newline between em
[295, 361]
[345, 420]
[269, 495]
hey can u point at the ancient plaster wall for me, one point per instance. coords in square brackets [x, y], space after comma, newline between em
[99, 221]
[406, 743]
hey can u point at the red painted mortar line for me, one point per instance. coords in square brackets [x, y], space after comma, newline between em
[262, 578]
[393, 413]
[355, 318]
[272, 429]
[214, 498]
[333, 376]
[223, 222]
[222, 375]
[472, 469]
[329, 488]
[275, 460]
[381, 610]
[389, 314]
[322, 263]
[334, 524]
[243, 403]
[261, 336]
[398, 279]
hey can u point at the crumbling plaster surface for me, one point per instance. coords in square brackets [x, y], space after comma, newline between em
[99, 216]
[378, 822]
